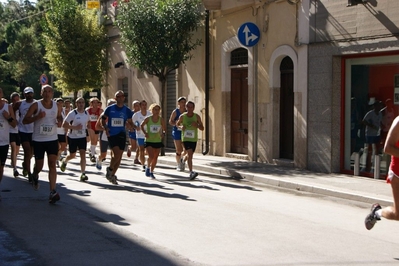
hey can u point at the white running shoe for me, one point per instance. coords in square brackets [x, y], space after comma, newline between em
[182, 164]
[98, 164]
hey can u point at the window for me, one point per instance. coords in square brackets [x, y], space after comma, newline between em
[369, 87]
[239, 57]
[123, 85]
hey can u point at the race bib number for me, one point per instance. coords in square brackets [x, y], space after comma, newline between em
[155, 128]
[93, 118]
[2, 124]
[81, 133]
[189, 134]
[117, 122]
[47, 129]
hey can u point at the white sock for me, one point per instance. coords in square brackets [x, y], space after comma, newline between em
[378, 213]
[93, 149]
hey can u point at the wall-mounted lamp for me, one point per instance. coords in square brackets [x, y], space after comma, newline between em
[119, 64]
[355, 2]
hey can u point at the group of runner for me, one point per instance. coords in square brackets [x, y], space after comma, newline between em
[46, 126]
[146, 132]
[33, 124]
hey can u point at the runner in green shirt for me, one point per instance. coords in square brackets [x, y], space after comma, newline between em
[189, 122]
[153, 128]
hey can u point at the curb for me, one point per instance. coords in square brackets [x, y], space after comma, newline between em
[275, 182]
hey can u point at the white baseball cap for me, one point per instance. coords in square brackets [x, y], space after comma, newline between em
[28, 90]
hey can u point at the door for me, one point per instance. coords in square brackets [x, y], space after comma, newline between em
[287, 109]
[239, 110]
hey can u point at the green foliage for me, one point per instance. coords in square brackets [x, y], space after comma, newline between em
[158, 35]
[25, 53]
[75, 45]
[21, 51]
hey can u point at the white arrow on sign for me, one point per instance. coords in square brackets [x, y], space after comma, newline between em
[249, 38]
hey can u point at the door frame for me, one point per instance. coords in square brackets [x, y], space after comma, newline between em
[227, 47]
[300, 102]
[244, 147]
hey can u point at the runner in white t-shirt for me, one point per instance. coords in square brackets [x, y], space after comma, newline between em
[77, 121]
[137, 119]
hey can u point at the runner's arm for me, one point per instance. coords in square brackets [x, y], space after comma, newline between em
[179, 123]
[11, 117]
[172, 121]
[392, 138]
[143, 126]
[200, 126]
[29, 118]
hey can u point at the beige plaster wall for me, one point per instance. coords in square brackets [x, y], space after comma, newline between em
[191, 83]
[275, 32]
[279, 32]
[277, 22]
[224, 25]
[141, 85]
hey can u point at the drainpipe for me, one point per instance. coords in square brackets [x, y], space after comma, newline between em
[255, 107]
[205, 146]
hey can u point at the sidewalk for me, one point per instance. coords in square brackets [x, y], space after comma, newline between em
[360, 189]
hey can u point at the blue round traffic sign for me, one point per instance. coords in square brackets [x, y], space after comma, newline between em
[43, 79]
[248, 34]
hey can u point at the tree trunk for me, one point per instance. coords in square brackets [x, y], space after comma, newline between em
[75, 96]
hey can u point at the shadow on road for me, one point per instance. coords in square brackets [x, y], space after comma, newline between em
[71, 232]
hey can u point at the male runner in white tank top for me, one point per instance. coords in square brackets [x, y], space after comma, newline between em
[45, 115]
[25, 131]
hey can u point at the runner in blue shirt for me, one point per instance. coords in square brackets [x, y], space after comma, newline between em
[117, 114]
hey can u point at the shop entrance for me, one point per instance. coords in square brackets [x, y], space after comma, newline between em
[369, 82]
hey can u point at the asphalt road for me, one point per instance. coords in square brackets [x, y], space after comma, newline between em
[174, 221]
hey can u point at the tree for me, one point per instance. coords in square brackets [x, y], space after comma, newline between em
[21, 51]
[158, 35]
[75, 45]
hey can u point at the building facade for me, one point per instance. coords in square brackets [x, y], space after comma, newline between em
[251, 99]
[296, 97]
[259, 104]
[353, 62]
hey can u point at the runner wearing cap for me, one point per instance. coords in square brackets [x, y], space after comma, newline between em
[25, 130]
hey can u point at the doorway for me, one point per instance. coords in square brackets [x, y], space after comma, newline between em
[239, 110]
[287, 109]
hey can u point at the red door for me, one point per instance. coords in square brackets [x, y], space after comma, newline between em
[239, 110]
